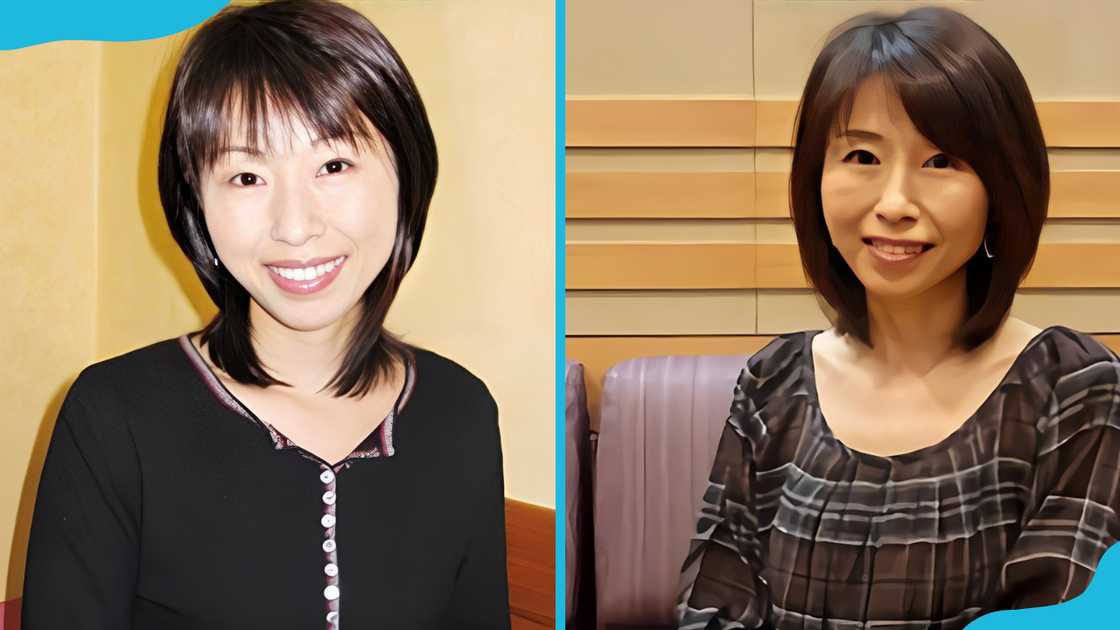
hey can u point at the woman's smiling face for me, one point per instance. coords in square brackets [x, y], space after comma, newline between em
[303, 224]
[905, 216]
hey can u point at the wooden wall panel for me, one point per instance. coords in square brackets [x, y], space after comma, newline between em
[661, 312]
[771, 197]
[776, 120]
[1085, 194]
[531, 562]
[659, 195]
[660, 123]
[778, 266]
[743, 122]
[1075, 265]
[658, 47]
[660, 266]
[775, 311]
[1080, 123]
[725, 195]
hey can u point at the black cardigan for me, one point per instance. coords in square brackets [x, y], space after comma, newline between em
[165, 504]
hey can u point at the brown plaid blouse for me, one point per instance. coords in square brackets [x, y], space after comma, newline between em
[1013, 509]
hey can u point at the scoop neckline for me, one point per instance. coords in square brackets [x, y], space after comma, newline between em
[918, 453]
[233, 403]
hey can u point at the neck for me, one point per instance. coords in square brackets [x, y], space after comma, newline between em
[305, 359]
[914, 334]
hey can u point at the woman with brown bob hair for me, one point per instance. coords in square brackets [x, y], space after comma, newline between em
[929, 458]
[292, 464]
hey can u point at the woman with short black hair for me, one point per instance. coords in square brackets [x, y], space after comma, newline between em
[293, 464]
[929, 458]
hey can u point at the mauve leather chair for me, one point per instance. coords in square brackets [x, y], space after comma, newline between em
[577, 488]
[660, 422]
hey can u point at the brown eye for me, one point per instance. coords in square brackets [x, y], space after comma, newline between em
[860, 156]
[334, 166]
[939, 161]
[245, 179]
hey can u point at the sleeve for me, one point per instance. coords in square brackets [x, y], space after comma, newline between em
[83, 549]
[1073, 516]
[722, 583]
[480, 599]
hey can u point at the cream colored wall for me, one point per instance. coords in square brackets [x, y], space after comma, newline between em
[763, 49]
[79, 179]
[48, 192]
[482, 291]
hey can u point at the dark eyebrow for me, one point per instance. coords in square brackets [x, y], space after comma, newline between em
[260, 155]
[249, 150]
[862, 134]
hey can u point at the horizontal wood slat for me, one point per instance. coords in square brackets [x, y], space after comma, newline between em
[771, 195]
[1085, 195]
[775, 123]
[1089, 124]
[657, 195]
[660, 266]
[599, 354]
[531, 561]
[778, 266]
[1075, 265]
[660, 123]
[765, 195]
[743, 122]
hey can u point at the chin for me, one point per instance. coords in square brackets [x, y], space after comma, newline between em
[893, 290]
[305, 317]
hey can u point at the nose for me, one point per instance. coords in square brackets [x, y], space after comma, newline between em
[296, 215]
[896, 201]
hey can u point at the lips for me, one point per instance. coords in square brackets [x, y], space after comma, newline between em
[894, 250]
[309, 279]
[897, 246]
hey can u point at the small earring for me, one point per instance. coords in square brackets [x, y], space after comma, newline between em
[216, 259]
[987, 252]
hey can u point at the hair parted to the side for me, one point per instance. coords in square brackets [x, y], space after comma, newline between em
[328, 67]
[965, 94]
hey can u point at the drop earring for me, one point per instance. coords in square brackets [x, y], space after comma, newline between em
[987, 252]
[216, 259]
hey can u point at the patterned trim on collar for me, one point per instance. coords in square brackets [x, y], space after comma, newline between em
[379, 443]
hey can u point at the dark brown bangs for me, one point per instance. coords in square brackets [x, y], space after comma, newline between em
[965, 94]
[922, 79]
[252, 80]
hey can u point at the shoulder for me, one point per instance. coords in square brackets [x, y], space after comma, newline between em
[1084, 380]
[1077, 347]
[114, 380]
[452, 408]
[778, 365]
[101, 404]
[1072, 359]
[446, 381]
[772, 375]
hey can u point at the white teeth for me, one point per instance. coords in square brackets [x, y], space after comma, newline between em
[897, 249]
[307, 273]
